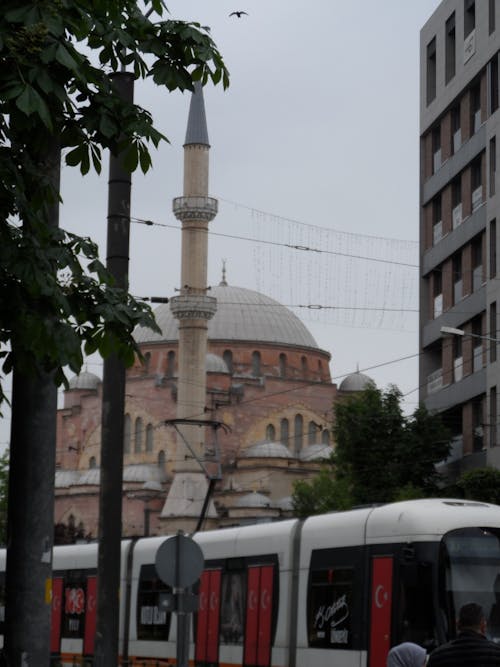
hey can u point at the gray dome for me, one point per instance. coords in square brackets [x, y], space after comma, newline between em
[267, 450]
[215, 364]
[84, 380]
[242, 315]
[253, 500]
[356, 382]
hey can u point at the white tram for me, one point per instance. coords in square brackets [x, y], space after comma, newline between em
[338, 589]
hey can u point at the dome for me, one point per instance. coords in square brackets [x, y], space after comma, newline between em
[267, 450]
[316, 453]
[356, 382]
[253, 500]
[215, 364]
[242, 315]
[85, 380]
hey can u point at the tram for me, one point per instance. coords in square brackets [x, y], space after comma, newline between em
[337, 589]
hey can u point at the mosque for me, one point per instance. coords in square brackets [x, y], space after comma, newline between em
[232, 403]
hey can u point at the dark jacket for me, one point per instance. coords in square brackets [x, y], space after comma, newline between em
[469, 649]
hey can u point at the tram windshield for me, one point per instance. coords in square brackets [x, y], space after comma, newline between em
[470, 572]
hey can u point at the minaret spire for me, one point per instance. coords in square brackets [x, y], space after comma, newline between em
[193, 308]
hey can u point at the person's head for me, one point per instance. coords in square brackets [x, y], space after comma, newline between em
[406, 655]
[471, 617]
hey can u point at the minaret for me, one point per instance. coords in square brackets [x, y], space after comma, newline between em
[193, 308]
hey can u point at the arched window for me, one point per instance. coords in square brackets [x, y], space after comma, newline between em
[171, 364]
[303, 362]
[161, 459]
[298, 433]
[228, 358]
[325, 437]
[313, 429]
[284, 430]
[149, 438]
[126, 434]
[138, 435]
[282, 364]
[256, 364]
[320, 369]
[270, 433]
[92, 462]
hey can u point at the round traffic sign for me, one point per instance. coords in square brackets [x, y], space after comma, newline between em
[179, 561]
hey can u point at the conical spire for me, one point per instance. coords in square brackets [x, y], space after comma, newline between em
[197, 132]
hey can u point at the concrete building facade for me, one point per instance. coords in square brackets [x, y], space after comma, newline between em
[459, 207]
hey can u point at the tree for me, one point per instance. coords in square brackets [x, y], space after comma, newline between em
[380, 455]
[4, 485]
[380, 451]
[54, 292]
[482, 484]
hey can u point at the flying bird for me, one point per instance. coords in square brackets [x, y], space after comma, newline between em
[239, 14]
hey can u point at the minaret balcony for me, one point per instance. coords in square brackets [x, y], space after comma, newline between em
[193, 307]
[195, 208]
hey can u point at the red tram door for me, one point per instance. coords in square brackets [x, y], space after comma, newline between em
[207, 630]
[381, 608]
[257, 648]
[56, 615]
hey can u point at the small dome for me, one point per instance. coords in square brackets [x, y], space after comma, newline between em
[316, 453]
[267, 450]
[356, 382]
[85, 380]
[215, 364]
[253, 500]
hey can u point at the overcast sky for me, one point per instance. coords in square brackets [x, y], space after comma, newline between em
[314, 144]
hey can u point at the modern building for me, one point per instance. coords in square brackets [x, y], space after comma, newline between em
[233, 403]
[459, 207]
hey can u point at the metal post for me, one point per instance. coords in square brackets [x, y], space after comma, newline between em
[113, 406]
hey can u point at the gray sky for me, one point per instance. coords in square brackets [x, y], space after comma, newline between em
[314, 144]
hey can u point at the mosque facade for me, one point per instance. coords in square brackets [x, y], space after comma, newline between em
[231, 403]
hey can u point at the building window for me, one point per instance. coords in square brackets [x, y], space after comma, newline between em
[477, 186]
[457, 277]
[126, 434]
[149, 438]
[493, 164]
[92, 463]
[437, 220]
[436, 148]
[284, 432]
[325, 437]
[298, 434]
[493, 69]
[282, 365]
[312, 433]
[437, 290]
[477, 425]
[456, 201]
[138, 435]
[303, 363]
[161, 459]
[477, 263]
[270, 433]
[493, 248]
[256, 364]
[493, 331]
[491, 16]
[456, 132]
[477, 344]
[171, 364]
[431, 70]
[228, 358]
[450, 49]
[469, 17]
[475, 108]
[458, 360]
[493, 417]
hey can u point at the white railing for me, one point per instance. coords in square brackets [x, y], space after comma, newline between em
[458, 291]
[436, 160]
[457, 215]
[435, 381]
[477, 120]
[478, 358]
[477, 277]
[477, 198]
[457, 140]
[437, 232]
[458, 369]
[438, 305]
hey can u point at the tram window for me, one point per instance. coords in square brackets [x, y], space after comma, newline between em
[2, 604]
[75, 595]
[330, 607]
[233, 605]
[469, 567]
[415, 616]
[153, 621]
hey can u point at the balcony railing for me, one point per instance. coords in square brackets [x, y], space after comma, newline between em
[458, 369]
[436, 160]
[457, 140]
[457, 215]
[438, 305]
[478, 358]
[477, 277]
[437, 232]
[435, 381]
[458, 291]
[477, 198]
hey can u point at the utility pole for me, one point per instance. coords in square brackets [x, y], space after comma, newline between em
[30, 523]
[106, 649]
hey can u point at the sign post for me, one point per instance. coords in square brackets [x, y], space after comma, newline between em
[179, 563]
